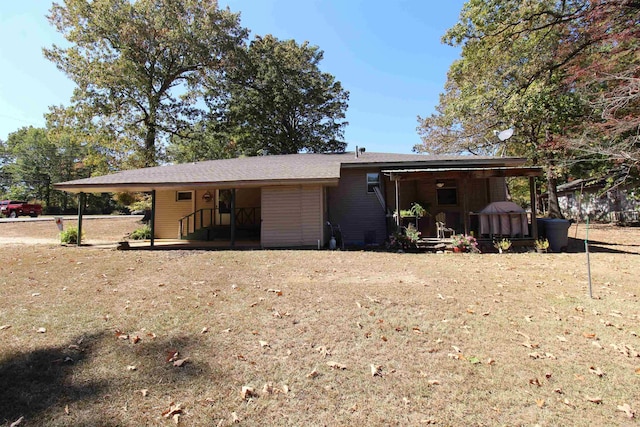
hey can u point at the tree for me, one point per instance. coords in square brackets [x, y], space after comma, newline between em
[276, 100]
[138, 63]
[509, 74]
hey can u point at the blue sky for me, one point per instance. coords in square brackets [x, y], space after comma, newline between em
[387, 54]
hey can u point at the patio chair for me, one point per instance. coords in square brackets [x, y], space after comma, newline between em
[442, 230]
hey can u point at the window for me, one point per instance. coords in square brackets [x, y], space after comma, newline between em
[447, 192]
[373, 180]
[182, 196]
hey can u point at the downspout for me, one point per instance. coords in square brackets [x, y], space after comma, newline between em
[81, 201]
[153, 218]
[232, 220]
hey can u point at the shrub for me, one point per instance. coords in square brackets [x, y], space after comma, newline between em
[70, 236]
[142, 233]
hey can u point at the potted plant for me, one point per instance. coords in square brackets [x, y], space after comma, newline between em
[542, 245]
[464, 243]
[502, 245]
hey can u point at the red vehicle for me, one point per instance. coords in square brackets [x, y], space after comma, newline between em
[14, 209]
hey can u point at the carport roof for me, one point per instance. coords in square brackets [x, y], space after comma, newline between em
[271, 170]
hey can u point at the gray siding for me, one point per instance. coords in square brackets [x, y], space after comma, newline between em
[359, 214]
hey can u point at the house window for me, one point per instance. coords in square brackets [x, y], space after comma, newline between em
[447, 193]
[373, 180]
[182, 196]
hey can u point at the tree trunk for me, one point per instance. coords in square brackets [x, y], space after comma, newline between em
[149, 154]
[552, 192]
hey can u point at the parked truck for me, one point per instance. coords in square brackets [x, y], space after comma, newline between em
[15, 208]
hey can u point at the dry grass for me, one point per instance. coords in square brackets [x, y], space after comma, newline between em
[460, 339]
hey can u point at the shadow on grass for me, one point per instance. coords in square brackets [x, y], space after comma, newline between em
[33, 382]
[577, 245]
[39, 384]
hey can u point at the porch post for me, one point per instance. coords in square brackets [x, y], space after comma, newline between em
[534, 208]
[465, 203]
[153, 218]
[232, 220]
[395, 178]
[81, 202]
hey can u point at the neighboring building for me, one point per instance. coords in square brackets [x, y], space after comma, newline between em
[287, 200]
[598, 200]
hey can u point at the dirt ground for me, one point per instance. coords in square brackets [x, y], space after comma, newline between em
[95, 336]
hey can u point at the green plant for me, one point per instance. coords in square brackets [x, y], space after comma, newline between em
[70, 236]
[142, 233]
[502, 245]
[542, 244]
[404, 238]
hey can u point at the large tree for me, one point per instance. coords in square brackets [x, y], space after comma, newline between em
[510, 75]
[276, 100]
[137, 63]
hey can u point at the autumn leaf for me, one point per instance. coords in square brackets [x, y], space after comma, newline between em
[376, 371]
[313, 374]
[561, 338]
[247, 392]
[596, 400]
[173, 410]
[144, 392]
[121, 335]
[336, 365]
[2, 328]
[627, 410]
[180, 362]
[540, 403]
[131, 368]
[264, 344]
[596, 371]
[17, 422]
[41, 330]
[172, 355]
[535, 381]
[135, 339]
[589, 335]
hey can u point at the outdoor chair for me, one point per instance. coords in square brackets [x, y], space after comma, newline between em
[442, 230]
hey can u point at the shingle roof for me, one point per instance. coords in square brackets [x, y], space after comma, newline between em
[277, 169]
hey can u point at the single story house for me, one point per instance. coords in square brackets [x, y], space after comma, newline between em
[289, 200]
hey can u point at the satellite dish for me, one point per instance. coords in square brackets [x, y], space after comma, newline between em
[505, 134]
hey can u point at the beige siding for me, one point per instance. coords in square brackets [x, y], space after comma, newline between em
[291, 216]
[168, 213]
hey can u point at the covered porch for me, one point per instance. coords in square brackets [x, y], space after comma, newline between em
[459, 200]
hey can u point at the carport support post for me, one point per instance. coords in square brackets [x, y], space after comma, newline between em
[232, 219]
[534, 208]
[153, 218]
[395, 178]
[81, 201]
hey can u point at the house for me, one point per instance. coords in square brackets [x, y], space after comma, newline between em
[607, 198]
[287, 200]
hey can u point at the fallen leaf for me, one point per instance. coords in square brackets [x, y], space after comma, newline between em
[173, 409]
[637, 371]
[144, 392]
[176, 419]
[285, 388]
[66, 409]
[172, 355]
[535, 381]
[376, 371]
[35, 294]
[433, 382]
[2, 328]
[383, 338]
[596, 371]
[204, 330]
[268, 388]
[180, 362]
[264, 344]
[596, 400]
[234, 418]
[336, 365]
[540, 403]
[589, 335]
[247, 392]
[121, 335]
[627, 410]
[17, 422]
[561, 338]
[131, 368]
[135, 339]
[313, 374]
[491, 362]
[474, 360]
[42, 330]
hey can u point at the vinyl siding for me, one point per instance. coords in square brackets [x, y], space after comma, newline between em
[291, 216]
[168, 213]
[359, 213]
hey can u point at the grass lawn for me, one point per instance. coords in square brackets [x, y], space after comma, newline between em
[98, 337]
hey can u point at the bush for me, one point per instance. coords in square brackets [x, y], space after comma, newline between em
[142, 233]
[70, 236]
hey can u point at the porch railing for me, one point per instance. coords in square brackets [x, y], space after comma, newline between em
[204, 218]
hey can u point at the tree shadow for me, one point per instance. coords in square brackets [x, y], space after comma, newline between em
[35, 384]
[595, 246]
[32, 382]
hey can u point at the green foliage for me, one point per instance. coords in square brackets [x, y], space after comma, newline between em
[70, 236]
[279, 101]
[138, 65]
[142, 233]
[542, 244]
[502, 244]
[403, 238]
